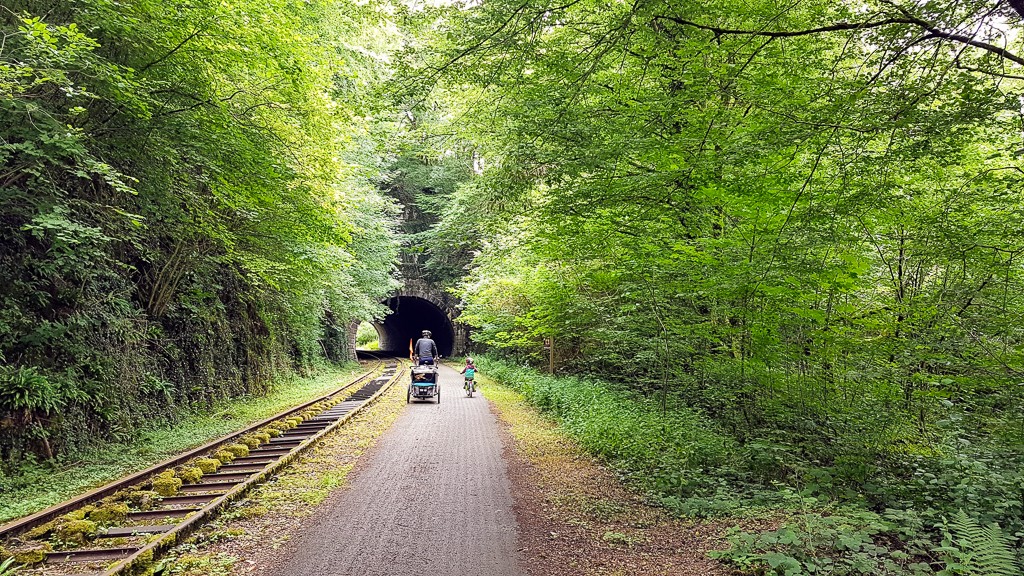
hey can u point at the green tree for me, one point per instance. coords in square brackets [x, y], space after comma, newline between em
[800, 220]
[189, 203]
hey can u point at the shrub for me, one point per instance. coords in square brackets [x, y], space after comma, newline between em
[846, 543]
[666, 452]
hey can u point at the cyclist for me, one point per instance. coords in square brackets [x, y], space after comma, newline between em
[425, 349]
[470, 371]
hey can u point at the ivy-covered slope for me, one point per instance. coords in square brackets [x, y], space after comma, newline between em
[187, 206]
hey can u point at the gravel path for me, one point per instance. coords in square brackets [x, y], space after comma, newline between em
[432, 497]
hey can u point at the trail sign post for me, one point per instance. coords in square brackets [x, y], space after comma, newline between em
[549, 345]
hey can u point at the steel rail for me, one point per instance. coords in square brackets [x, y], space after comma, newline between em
[21, 525]
[141, 559]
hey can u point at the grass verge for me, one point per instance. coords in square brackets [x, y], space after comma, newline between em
[576, 518]
[34, 487]
[785, 523]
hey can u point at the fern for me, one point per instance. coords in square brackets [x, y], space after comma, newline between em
[977, 550]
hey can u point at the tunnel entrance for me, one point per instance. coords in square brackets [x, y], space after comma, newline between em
[409, 316]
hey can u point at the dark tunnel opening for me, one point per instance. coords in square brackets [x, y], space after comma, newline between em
[410, 316]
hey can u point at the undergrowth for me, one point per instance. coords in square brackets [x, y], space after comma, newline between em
[33, 485]
[955, 512]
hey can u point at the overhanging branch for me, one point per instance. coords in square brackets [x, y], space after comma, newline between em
[837, 27]
[907, 18]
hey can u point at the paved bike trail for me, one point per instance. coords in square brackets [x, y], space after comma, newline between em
[432, 497]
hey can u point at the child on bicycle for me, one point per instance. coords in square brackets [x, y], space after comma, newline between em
[469, 370]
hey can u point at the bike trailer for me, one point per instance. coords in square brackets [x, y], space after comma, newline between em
[424, 384]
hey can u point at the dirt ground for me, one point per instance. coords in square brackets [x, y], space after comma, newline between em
[575, 517]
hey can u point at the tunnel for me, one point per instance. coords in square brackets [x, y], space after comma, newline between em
[409, 316]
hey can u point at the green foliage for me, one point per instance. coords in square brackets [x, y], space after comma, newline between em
[188, 206]
[437, 237]
[970, 548]
[663, 452]
[857, 542]
[797, 224]
[25, 389]
[366, 335]
[35, 485]
[7, 567]
[845, 543]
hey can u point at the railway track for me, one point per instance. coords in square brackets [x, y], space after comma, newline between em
[122, 527]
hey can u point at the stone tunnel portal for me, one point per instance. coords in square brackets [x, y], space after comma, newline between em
[409, 316]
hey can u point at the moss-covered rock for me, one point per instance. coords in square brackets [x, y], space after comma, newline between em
[38, 533]
[76, 532]
[167, 484]
[224, 456]
[143, 499]
[110, 513]
[208, 465]
[295, 421]
[272, 432]
[263, 437]
[143, 564]
[189, 474]
[239, 450]
[78, 514]
[33, 553]
[250, 440]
